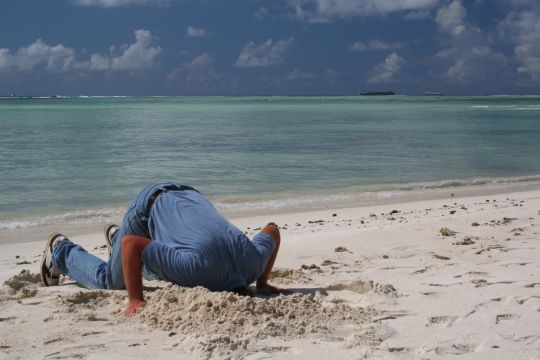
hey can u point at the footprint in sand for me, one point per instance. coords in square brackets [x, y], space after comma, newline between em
[524, 300]
[482, 305]
[422, 270]
[397, 349]
[503, 317]
[441, 320]
[456, 349]
[472, 273]
[362, 287]
[527, 339]
[2, 319]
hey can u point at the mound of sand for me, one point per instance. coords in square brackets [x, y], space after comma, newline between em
[23, 285]
[287, 276]
[93, 299]
[232, 318]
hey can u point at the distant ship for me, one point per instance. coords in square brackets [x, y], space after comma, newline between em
[431, 93]
[373, 93]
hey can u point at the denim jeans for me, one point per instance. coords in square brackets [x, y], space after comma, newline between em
[92, 272]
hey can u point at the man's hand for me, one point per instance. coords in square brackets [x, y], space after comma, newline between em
[132, 248]
[263, 287]
[267, 289]
[134, 306]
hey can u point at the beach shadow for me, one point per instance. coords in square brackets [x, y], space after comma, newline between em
[251, 291]
[76, 284]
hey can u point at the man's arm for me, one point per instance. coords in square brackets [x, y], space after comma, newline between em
[262, 283]
[132, 248]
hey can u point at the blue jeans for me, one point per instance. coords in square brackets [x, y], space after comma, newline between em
[92, 272]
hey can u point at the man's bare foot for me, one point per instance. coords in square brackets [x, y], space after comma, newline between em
[134, 306]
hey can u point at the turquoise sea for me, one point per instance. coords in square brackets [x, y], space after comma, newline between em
[83, 159]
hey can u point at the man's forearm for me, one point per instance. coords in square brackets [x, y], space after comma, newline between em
[273, 230]
[132, 248]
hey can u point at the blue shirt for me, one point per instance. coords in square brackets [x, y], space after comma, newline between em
[194, 245]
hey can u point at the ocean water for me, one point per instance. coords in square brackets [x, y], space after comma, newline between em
[83, 159]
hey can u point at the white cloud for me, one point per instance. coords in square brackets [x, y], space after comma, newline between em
[261, 13]
[451, 18]
[325, 10]
[266, 54]
[518, 3]
[523, 29]
[137, 56]
[118, 3]
[529, 56]
[6, 59]
[479, 62]
[387, 70]
[298, 74]
[193, 31]
[375, 45]
[200, 61]
[200, 69]
[54, 58]
[468, 54]
[99, 62]
[417, 15]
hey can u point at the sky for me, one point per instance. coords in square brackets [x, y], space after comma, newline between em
[269, 47]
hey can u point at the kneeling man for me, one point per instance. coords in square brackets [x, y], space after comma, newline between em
[170, 232]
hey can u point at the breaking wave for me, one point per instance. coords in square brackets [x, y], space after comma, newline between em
[245, 204]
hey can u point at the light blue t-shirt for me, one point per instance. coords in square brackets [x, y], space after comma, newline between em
[194, 245]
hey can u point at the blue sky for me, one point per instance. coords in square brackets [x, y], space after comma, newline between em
[274, 47]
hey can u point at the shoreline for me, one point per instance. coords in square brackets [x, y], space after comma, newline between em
[471, 290]
[283, 205]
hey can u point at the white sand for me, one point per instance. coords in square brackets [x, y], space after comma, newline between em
[369, 282]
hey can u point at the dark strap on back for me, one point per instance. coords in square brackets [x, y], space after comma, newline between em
[166, 188]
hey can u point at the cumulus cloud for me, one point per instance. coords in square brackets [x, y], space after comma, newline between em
[298, 74]
[451, 18]
[523, 29]
[468, 55]
[479, 62]
[137, 56]
[200, 69]
[529, 56]
[261, 13]
[417, 15]
[375, 45]
[387, 70]
[200, 61]
[54, 58]
[193, 31]
[266, 54]
[326, 10]
[119, 3]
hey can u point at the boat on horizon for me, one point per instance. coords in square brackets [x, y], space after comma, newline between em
[433, 93]
[375, 93]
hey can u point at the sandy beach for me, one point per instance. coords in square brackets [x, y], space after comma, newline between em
[429, 279]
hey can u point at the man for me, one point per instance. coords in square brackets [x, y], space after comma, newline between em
[170, 232]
